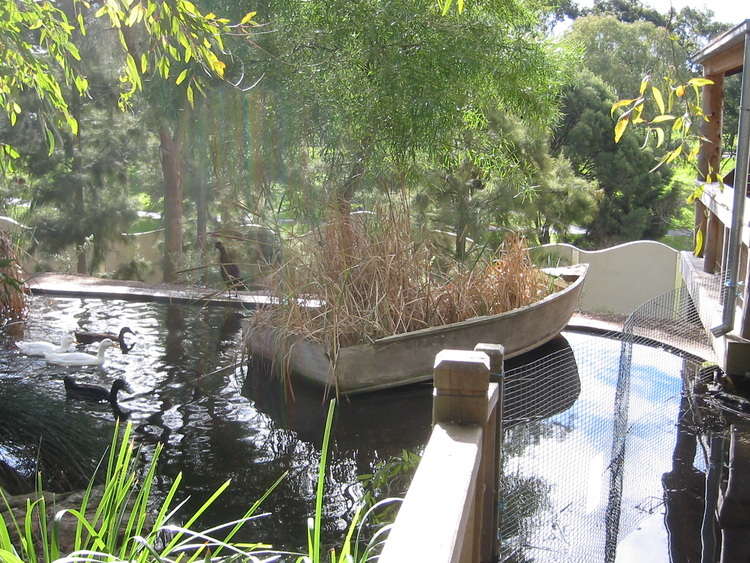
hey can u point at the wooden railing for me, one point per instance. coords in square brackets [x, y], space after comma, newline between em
[450, 513]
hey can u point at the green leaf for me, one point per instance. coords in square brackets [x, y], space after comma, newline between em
[659, 136]
[182, 77]
[698, 249]
[672, 155]
[620, 104]
[662, 118]
[644, 83]
[248, 18]
[50, 140]
[658, 98]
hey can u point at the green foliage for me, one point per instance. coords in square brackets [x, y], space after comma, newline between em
[118, 524]
[668, 101]
[390, 479]
[36, 48]
[634, 202]
[641, 48]
[354, 548]
[119, 521]
[677, 115]
[377, 86]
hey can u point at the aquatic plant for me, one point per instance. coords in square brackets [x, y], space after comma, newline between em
[355, 547]
[115, 522]
[357, 278]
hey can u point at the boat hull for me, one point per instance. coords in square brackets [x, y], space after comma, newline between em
[408, 358]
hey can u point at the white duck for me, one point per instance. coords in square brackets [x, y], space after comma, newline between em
[80, 358]
[41, 348]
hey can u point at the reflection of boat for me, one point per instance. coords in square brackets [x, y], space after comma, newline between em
[408, 358]
[538, 384]
[393, 419]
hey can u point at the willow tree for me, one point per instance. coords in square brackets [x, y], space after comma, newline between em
[163, 42]
[369, 88]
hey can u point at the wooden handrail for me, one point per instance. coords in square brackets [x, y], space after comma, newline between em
[449, 514]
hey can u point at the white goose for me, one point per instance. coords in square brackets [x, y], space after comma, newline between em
[80, 358]
[41, 348]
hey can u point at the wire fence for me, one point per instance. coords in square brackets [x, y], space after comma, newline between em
[601, 440]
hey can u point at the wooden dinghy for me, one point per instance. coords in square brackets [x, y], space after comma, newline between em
[408, 358]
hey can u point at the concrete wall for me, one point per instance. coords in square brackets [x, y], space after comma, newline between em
[623, 277]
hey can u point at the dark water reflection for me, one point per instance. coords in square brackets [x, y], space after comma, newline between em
[187, 377]
[224, 419]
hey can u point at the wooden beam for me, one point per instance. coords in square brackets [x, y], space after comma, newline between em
[709, 156]
[490, 550]
[727, 62]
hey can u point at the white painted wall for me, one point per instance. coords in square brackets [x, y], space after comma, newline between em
[623, 277]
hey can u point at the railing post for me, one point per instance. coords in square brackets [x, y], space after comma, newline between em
[492, 446]
[465, 396]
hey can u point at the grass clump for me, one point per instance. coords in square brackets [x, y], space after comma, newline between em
[361, 277]
[120, 521]
[115, 521]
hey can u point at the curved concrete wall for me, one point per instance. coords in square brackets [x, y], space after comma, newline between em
[623, 277]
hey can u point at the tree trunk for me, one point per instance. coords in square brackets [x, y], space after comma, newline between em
[169, 154]
[344, 206]
[73, 152]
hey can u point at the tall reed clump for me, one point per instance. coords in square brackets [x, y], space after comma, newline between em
[117, 522]
[364, 276]
[12, 290]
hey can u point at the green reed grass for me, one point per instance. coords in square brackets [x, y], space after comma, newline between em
[120, 524]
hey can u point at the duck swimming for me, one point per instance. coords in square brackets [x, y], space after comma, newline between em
[40, 348]
[85, 337]
[80, 358]
[94, 393]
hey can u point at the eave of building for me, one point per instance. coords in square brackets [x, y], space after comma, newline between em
[724, 55]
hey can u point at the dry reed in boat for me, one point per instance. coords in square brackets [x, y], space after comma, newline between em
[370, 279]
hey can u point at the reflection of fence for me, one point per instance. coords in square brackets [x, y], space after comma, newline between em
[450, 511]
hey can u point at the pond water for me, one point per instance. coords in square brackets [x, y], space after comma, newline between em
[224, 418]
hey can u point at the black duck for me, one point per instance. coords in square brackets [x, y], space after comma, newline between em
[94, 393]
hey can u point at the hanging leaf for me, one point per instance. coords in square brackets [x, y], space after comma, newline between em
[659, 136]
[663, 118]
[698, 248]
[620, 127]
[248, 18]
[700, 82]
[620, 104]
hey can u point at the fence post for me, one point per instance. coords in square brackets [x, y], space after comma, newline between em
[463, 395]
[492, 445]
